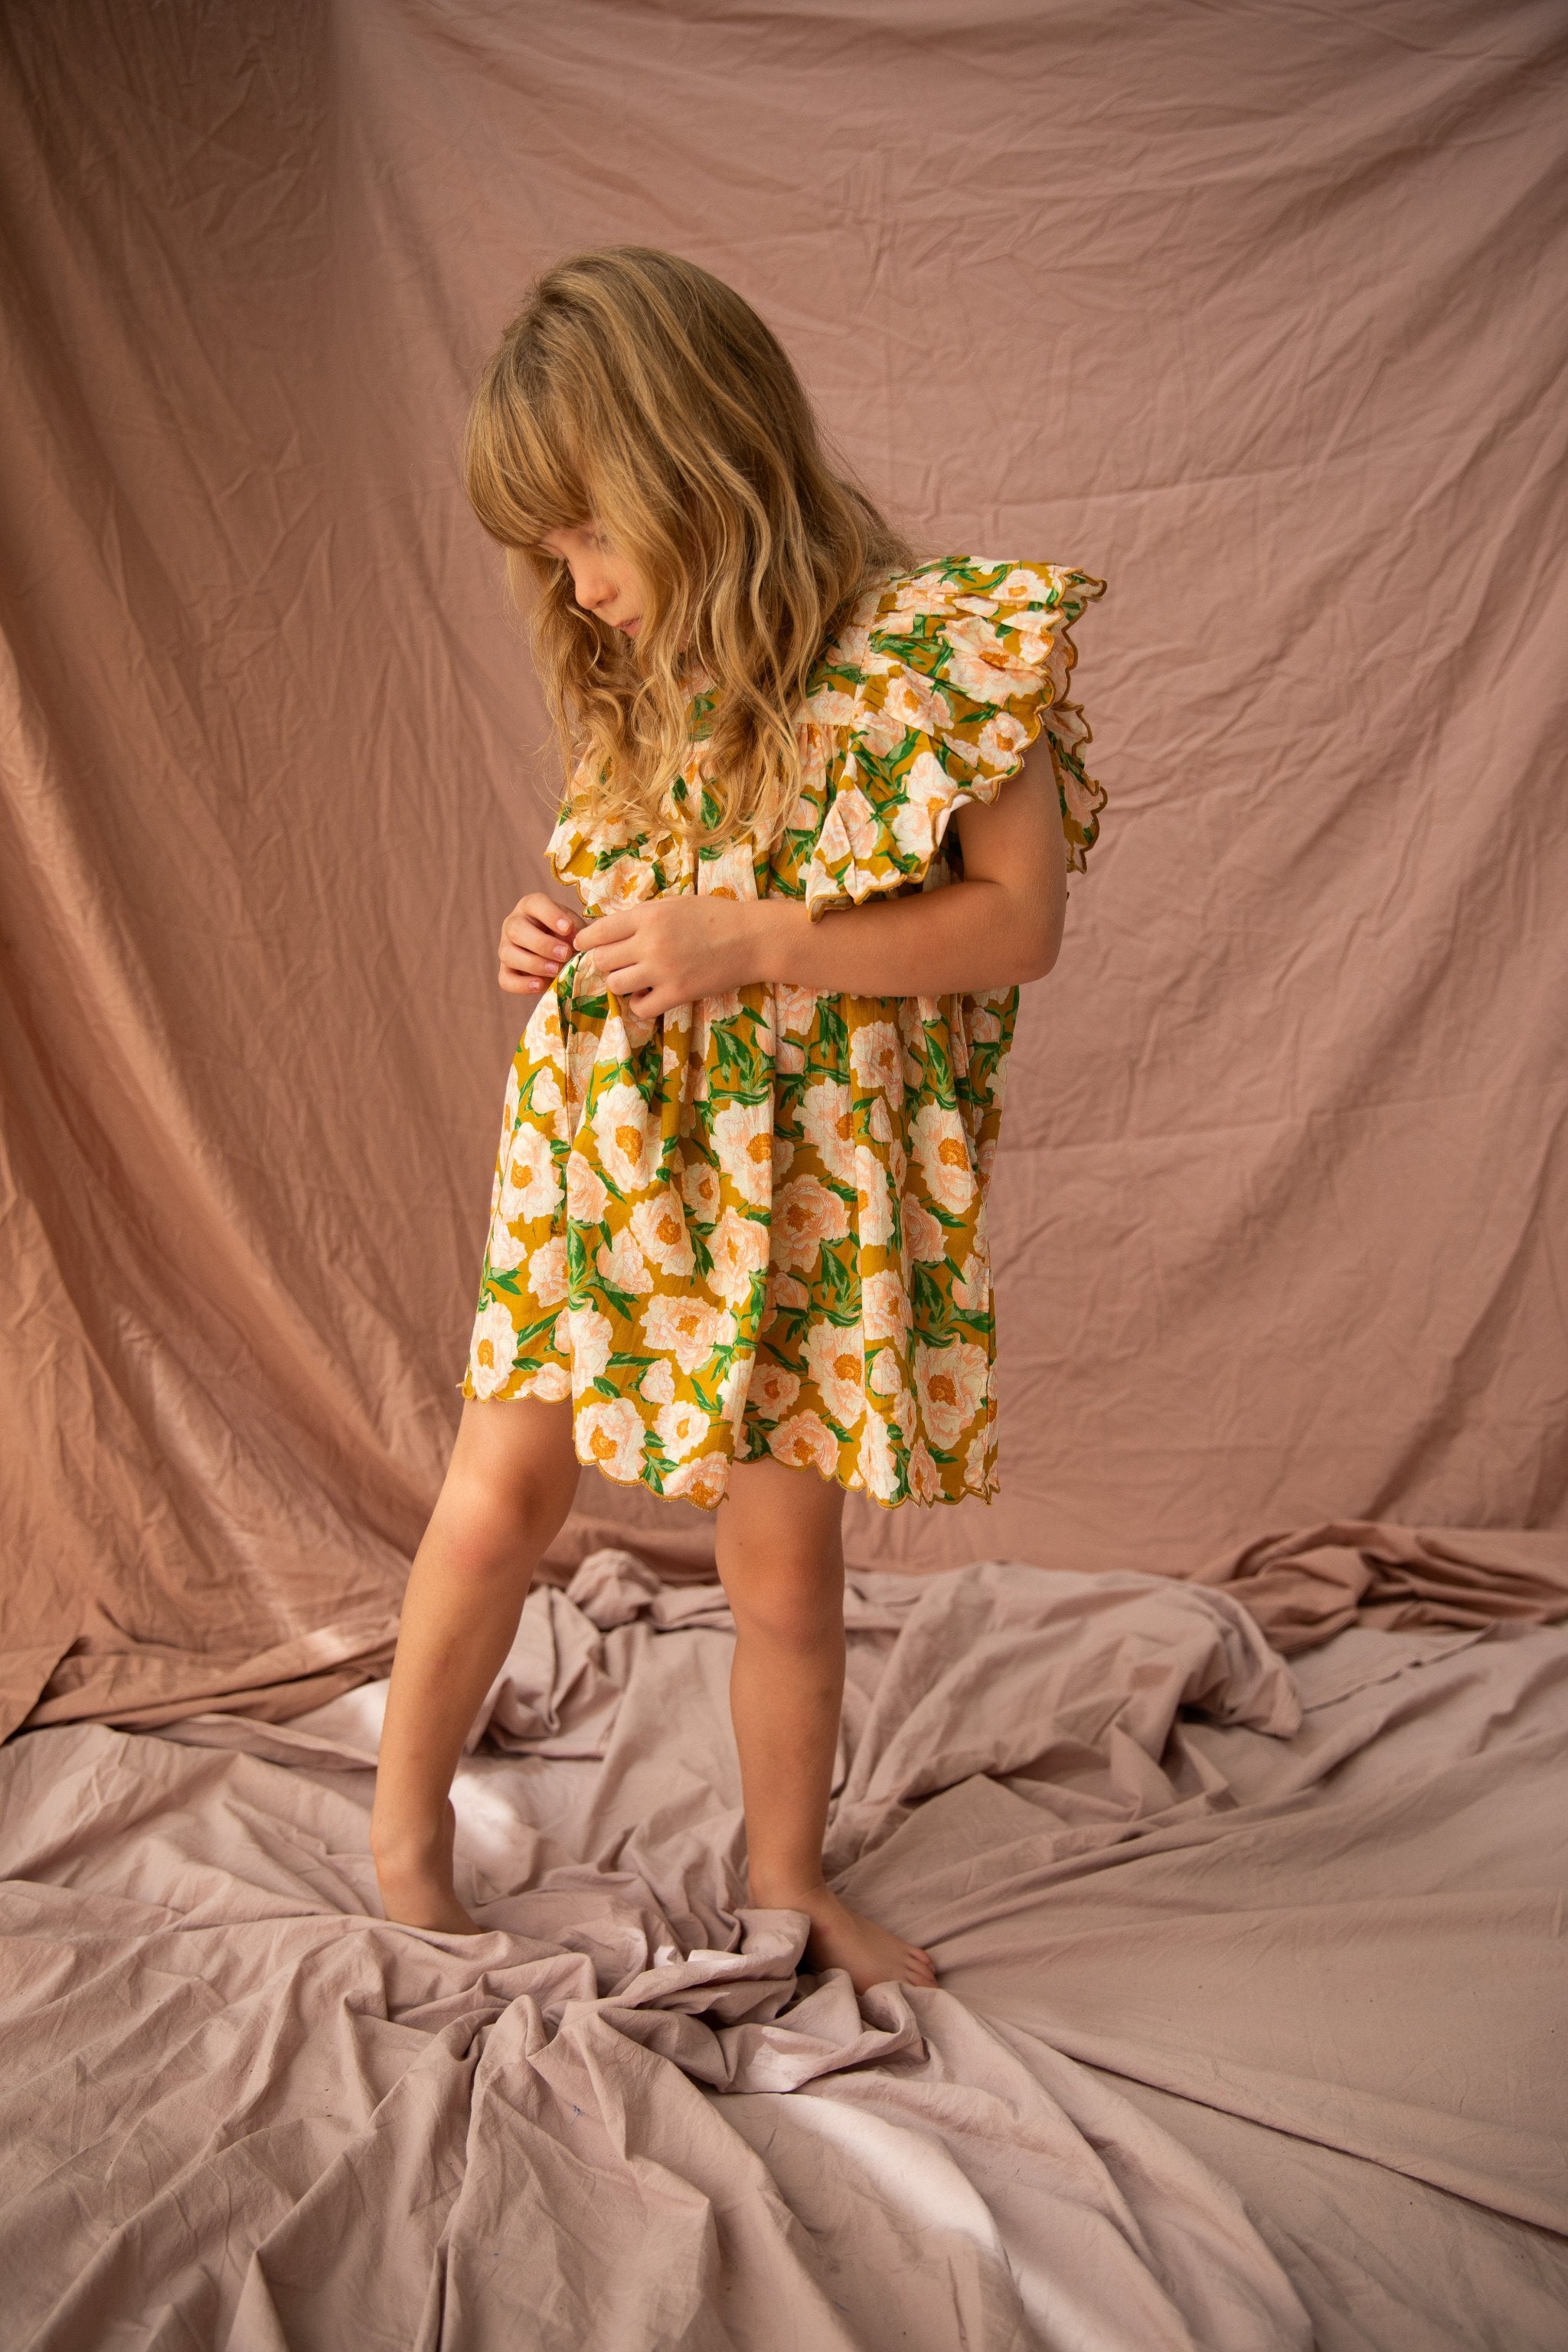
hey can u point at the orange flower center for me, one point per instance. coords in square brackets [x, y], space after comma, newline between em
[629, 1140]
[950, 1152]
[945, 1388]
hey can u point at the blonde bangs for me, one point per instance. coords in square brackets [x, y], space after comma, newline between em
[635, 389]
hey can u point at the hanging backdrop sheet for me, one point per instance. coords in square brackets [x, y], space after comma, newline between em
[1252, 311]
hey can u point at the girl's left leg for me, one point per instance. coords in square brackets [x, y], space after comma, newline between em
[782, 1566]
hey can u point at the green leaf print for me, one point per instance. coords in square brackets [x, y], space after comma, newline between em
[624, 1301]
[833, 1031]
[527, 1333]
[939, 1070]
[836, 1278]
[929, 1298]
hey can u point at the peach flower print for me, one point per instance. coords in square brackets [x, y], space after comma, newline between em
[925, 1479]
[805, 1214]
[547, 1271]
[926, 1239]
[699, 1188]
[774, 1389]
[951, 1383]
[591, 1336]
[491, 1348]
[743, 1139]
[877, 1058]
[531, 1187]
[740, 1250]
[827, 1122]
[622, 1265]
[660, 1228]
[675, 1324]
[884, 1305]
[681, 1429]
[835, 1361]
[701, 1482]
[609, 1433]
[876, 1461]
[805, 1441]
[505, 1249]
[874, 1200]
[941, 1147]
[586, 1197]
[627, 1138]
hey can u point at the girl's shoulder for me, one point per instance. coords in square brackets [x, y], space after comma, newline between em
[927, 697]
[944, 596]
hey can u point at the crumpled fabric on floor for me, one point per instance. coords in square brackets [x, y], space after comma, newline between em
[1304, 1588]
[1160, 1870]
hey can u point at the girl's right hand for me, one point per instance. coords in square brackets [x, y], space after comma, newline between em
[535, 942]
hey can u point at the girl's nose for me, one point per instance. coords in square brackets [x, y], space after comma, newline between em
[591, 588]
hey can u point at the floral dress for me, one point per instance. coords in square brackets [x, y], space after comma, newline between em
[755, 1224]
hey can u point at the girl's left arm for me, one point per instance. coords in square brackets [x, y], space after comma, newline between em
[1001, 924]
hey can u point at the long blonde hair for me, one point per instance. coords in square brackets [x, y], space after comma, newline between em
[635, 389]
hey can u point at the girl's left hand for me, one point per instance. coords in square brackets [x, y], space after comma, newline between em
[657, 952]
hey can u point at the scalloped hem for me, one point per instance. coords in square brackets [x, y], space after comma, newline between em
[854, 1485]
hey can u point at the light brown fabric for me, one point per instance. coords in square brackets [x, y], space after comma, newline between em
[1252, 311]
[1243, 2043]
[1304, 1588]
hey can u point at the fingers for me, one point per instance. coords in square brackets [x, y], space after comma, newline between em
[525, 970]
[621, 923]
[536, 939]
[652, 1002]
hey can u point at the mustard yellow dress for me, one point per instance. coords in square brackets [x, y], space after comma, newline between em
[756, 1225]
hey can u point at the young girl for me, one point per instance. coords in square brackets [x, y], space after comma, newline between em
[737, 1247]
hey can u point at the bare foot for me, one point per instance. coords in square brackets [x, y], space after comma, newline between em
[415, 1880]
[841, 1939]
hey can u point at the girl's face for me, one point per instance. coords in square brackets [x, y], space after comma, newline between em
[602, 581]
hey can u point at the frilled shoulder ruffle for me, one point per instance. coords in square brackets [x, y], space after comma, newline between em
[930, 701]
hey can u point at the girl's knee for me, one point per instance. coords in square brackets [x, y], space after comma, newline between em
[792, 1604]
[492, 1516]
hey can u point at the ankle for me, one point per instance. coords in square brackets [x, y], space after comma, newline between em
[412, 1842]
[785, 1890]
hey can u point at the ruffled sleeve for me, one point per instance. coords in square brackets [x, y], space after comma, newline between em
[932, 703]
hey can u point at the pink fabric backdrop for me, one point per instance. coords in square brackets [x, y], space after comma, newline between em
[1253, 311]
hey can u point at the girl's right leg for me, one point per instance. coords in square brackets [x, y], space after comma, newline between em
[509, 1486]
